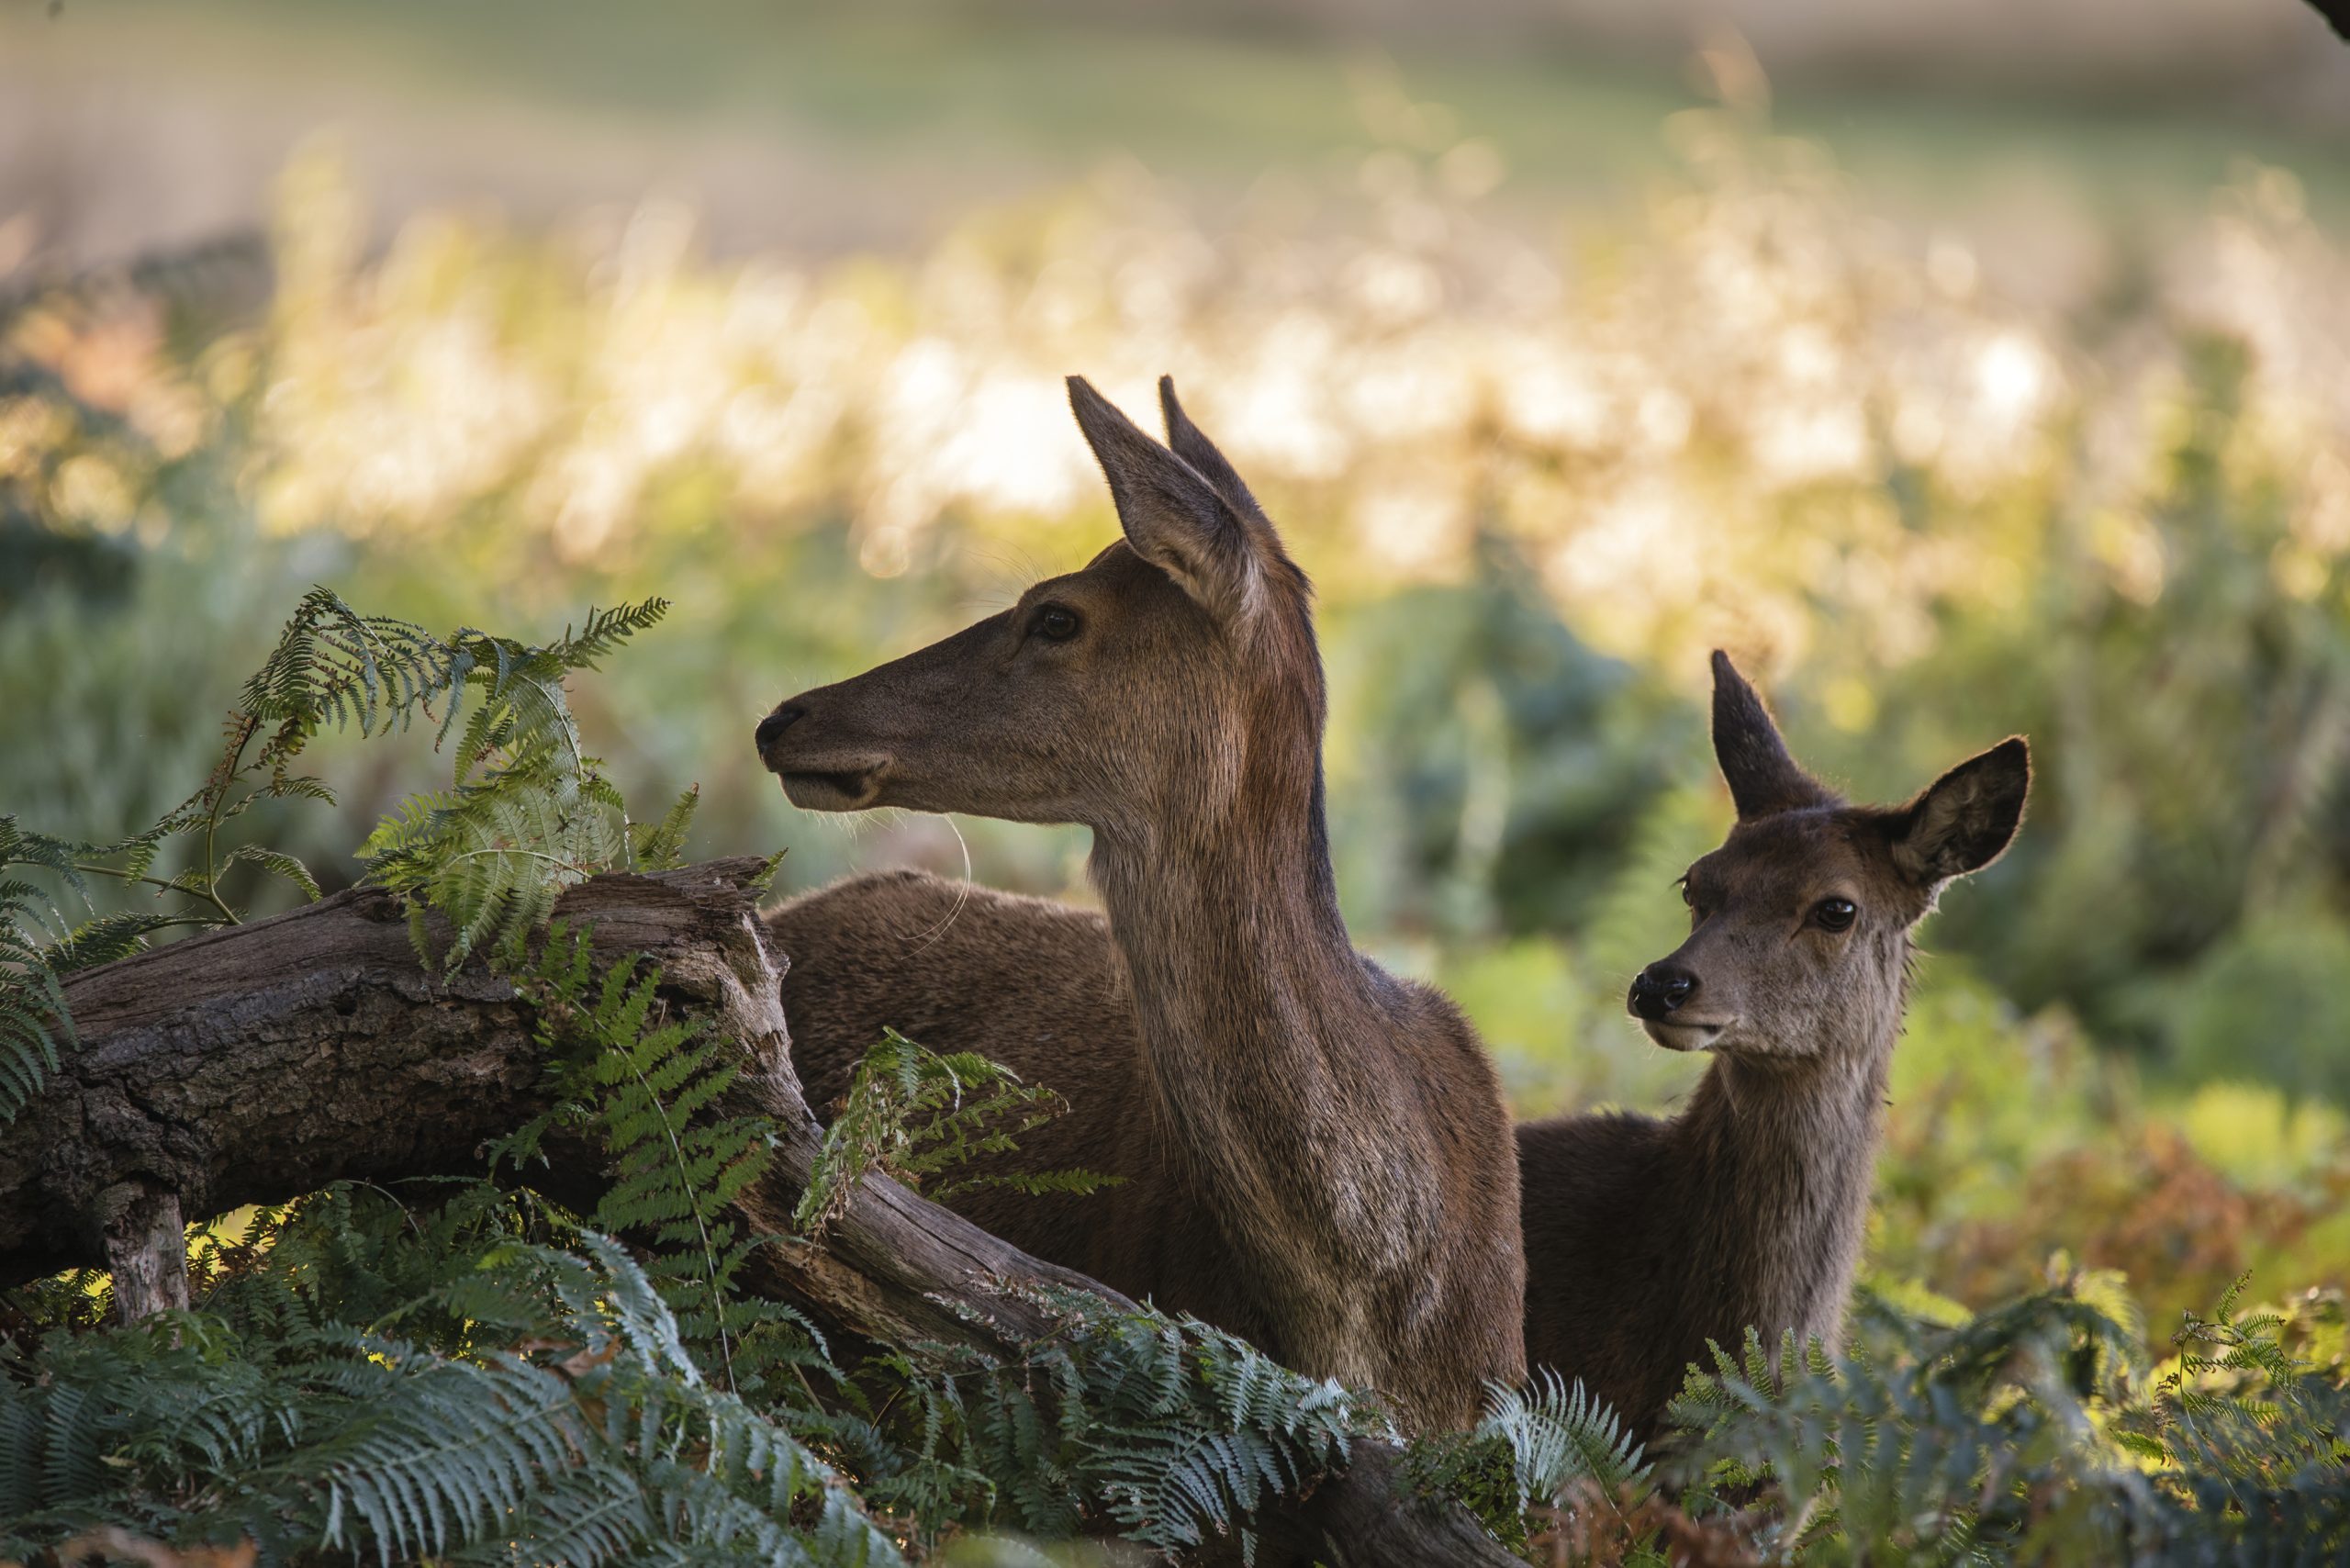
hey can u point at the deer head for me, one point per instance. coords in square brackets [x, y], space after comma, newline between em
[1171, 680]
[1799, 923]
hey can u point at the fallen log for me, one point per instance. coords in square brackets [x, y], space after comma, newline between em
[257, 1063]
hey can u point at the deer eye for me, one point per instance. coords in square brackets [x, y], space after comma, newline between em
[1056, 623]
[1835, 914]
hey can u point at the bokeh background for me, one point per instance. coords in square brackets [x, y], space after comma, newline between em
[1964, 369]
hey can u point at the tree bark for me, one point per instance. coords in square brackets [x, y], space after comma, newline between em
[146, 1251]
[255, 1064]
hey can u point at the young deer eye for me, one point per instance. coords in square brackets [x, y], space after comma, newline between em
[1056, 623]
[1835, 914]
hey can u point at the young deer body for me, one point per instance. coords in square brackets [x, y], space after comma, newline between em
[1644, 1237]
[1317, 1153]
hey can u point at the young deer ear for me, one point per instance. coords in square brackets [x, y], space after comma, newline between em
[1966, 817]
[1764, 779]
[1173, 515]
[1197, 450]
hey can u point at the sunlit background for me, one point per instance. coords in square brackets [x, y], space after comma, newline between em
[1965, 370]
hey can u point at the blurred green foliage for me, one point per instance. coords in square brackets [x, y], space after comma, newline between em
[1533, 488]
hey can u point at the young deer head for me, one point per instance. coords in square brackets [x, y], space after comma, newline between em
[1155, 690]
[1647, 1237]
[1799, 934]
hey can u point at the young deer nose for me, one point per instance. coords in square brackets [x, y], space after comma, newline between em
[775, 723]
[1659, 988]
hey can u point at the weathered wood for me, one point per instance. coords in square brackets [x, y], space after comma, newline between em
[1368, 1519]
[146, 1247]
[258, 1063]
[255, 1064]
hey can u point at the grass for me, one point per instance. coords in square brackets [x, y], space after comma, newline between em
[1010, 94]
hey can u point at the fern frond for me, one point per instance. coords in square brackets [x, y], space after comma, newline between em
[911, 1114]
[277, 863]
[646, 1085]
[605, 630]
[33, 1017]
[661, 846]
[1558, 1435]
[333, 665]
[108, 937]
[2025, 1434]
[491, 858]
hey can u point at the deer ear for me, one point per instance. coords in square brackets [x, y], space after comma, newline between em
[1764, 779]
[1197, 450]
[1967, 817]
[1173, 516]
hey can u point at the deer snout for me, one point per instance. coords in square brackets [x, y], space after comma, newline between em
[774, 724]
[1659, 989]
[823, 765]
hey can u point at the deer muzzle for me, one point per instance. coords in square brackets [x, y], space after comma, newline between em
[818, 777]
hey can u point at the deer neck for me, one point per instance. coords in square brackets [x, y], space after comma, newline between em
[1776, 1162]
[1272, 1061]
[1230, 929]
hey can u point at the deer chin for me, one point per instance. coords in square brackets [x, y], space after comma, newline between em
[854, 786]
[1678, 1035]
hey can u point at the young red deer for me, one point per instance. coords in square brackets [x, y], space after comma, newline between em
[1643, 1237]
[1318, 1153]
[1646, 1237]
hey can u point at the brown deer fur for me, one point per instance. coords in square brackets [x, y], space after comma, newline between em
[1318, 1153]
[1644, 1237]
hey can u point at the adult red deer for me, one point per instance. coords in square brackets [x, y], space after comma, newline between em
[1644, 1237]
[1317, 1152]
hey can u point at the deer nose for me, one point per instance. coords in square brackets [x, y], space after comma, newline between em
[1660, 989]
[774, 724]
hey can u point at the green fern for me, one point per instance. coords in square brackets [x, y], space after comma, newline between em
[2026, 1434]
[491, 860]
[590, 1438]
[1557, 1436]
[643, 1083]
[40, 944]
[527, 815]
[1541, 1449]
[333, 665]
[33, 1018]
[1243, 1431]
[661, 845]
[1171, 1430]
[914, 1114]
